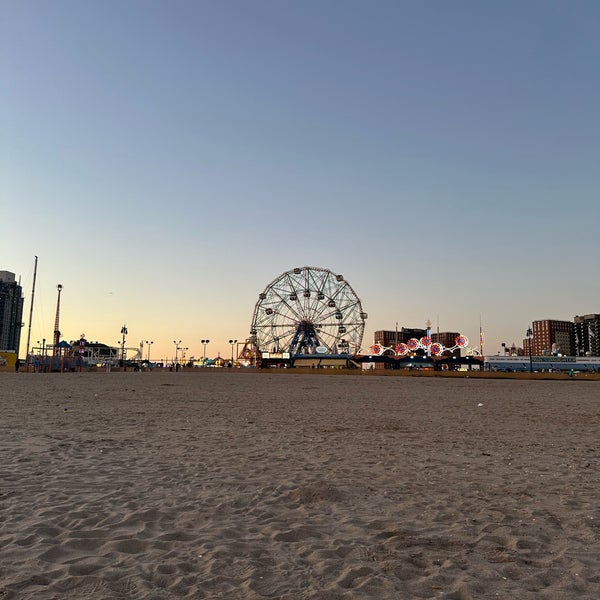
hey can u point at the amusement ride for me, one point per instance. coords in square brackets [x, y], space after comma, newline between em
[426, 345]
[307, 311]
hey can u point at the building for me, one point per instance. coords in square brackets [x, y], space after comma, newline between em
[513, 350]
[96, 352]
[587, 335]
[552, 338]
[588, 364]
[11, 312]
[391, 338]
[448, 340]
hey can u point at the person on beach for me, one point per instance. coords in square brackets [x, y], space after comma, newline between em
[17, 365]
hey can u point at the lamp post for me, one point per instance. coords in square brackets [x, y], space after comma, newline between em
[148, 344]
[529, 334]
[123, 333]
[176, 348]
[204, 342]
[232, 342]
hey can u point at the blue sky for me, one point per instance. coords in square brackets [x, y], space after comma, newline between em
[167, 160]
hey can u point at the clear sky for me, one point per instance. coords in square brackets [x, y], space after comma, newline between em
[166, 160]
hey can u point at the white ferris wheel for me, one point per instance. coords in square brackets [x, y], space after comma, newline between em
[308, 310]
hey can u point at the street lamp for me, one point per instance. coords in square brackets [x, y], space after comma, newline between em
[204, 342]
[148, 344]
[176, 348]
[123, 333]
[529, 334]
[232, 342]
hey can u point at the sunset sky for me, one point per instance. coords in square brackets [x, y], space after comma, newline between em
[166, 160]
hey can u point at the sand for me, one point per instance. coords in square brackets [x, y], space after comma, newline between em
[250, 485]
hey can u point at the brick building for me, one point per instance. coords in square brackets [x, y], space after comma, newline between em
[552, 337]
[390, 338]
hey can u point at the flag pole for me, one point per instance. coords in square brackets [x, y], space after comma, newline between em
[480, 338]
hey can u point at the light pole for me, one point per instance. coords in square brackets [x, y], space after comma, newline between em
[428, 334]
[148, 344]
[529, 334]
[204, 342]
[176, 348]
[232, 342]
[123, 333]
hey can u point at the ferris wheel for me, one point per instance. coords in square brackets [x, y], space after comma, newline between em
[308, 310]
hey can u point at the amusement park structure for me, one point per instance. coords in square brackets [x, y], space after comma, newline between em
[425, 345]
[312, 316]
[307, 311]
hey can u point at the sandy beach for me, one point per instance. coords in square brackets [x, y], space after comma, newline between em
[250, 485]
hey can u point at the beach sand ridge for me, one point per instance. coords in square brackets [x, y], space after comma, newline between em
[253, 485]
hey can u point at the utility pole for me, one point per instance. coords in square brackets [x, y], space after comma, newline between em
[31, 311]
[57, 321]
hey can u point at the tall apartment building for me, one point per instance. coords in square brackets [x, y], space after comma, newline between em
[587, 335]
[551, 336]
[11, 312]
